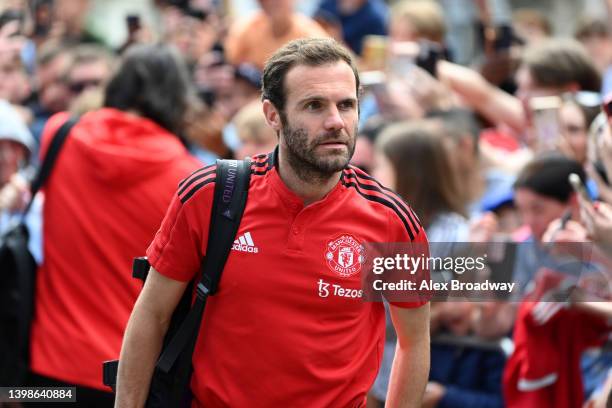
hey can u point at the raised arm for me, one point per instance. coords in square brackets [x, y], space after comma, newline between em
[496, 105]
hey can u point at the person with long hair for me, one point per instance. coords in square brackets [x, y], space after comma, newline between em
[414, 159]
[108, 192]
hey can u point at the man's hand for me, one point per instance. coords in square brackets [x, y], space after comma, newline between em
[144, 336]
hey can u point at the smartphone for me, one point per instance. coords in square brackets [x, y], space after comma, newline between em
[402, 57]
[375, 82]
[579, 187]
[372, 79]
[545, 114]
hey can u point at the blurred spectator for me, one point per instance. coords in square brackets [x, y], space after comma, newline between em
[16, 148]
[414, 20]
[358, 18]
[576, 114]
[554, 67]
[213, 77]
[462, 130]
[414, 160]
[90, 70]
[462, 376]
[254, 38]
[69, 18]
[110, 187]
[542, 195]
[194, 34]
[223, 90]
[363, 157]
[549, 68]
[245, 88]
[530, 25]
[256, 137]
[52, 91]
[549, 339]
[596, 36]
[14, 82]
[16, 145]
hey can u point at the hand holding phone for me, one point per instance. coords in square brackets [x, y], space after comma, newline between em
[545, 114]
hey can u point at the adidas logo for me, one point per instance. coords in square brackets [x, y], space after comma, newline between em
[245, 243]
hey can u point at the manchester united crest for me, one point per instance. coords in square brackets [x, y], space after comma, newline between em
[344, 255]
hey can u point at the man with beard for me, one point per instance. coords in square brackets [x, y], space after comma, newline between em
[288, 326]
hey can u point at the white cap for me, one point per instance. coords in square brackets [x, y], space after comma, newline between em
[13, 128]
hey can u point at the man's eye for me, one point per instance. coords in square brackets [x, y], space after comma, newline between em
[314, 105]
[346, 105]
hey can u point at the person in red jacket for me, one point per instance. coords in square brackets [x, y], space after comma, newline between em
[105, 198]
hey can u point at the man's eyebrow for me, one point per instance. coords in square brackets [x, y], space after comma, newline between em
[352, 100]
[311, 98]
[322, 98]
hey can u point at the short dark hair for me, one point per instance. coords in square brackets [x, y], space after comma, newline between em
[548, 174]
[153, 81]
[306, 51]
[560, 62]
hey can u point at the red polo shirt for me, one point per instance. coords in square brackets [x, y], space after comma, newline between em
[287, 327]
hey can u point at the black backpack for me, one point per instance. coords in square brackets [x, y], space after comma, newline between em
[18, 277]
[171, 378]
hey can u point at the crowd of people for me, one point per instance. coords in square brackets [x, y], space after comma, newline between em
[481, 153]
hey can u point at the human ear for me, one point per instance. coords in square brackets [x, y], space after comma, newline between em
[272, 116]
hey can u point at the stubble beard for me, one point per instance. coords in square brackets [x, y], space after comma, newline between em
[310, 166]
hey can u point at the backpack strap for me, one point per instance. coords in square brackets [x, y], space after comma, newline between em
[230, 197]
[50, 158]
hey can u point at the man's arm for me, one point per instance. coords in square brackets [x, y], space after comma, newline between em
[496, 105]
[144, 336]
[410, 369]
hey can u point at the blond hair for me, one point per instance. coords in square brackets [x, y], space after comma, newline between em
[251, 124]
[426, 16]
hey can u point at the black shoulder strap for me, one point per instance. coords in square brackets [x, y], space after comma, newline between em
[50, 158]
[230, 197]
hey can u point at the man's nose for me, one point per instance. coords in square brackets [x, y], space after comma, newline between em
[334, 120]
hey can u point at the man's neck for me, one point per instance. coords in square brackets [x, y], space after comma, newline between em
[309, 186]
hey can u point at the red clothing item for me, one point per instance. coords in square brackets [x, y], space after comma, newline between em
[287, 327]
[104, 200]
[544, 369]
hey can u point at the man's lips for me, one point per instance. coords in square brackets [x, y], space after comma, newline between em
[333, 143]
